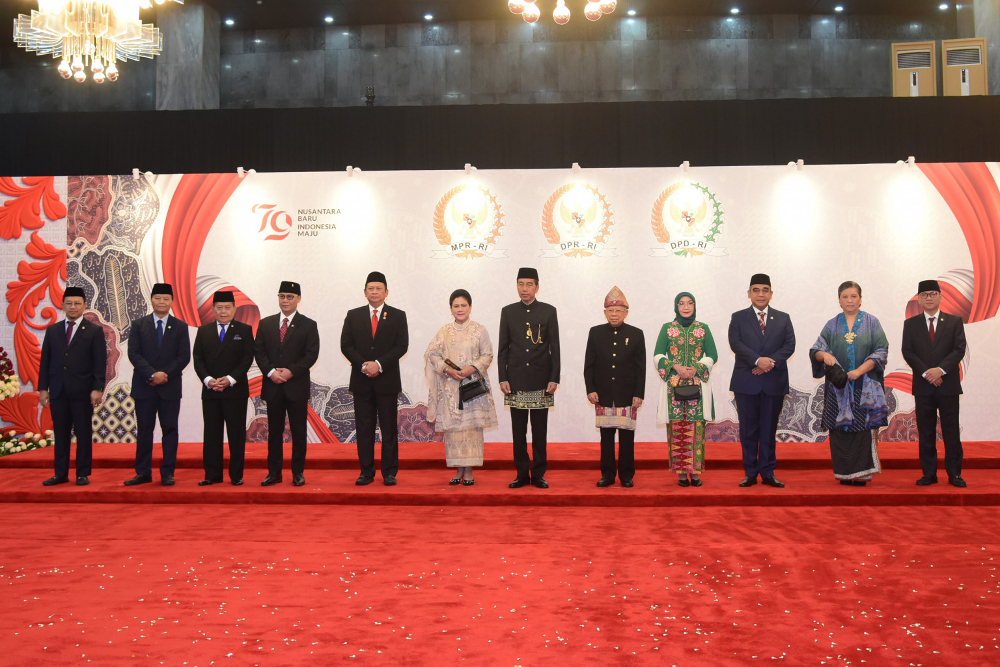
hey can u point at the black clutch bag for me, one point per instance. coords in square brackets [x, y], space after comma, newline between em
[687, 392]
[837, 376]
[471, 387]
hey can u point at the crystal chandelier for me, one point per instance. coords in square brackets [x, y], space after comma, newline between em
[93, 33]
[529, 11]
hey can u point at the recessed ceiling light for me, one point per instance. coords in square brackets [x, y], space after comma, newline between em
[329, 19]
[838, 8]
[230, 21]
[631, 12]
[943, 5]
[428, 17]
[734, 10]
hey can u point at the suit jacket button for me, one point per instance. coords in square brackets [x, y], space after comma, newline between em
[612, 366]
[613, 354]
[527, 364]
[64, 368]
[527, 349]
[612, 378]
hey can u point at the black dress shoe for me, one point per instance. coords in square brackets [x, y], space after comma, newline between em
[696, 481]
[82, 480]
[207, 482]
[167, 480]
[468, 482]
[271, 480]
[683, 481]
[540, 483]
[363, 481]
[772, 481]
[860, 482]
[926, 481]
[847, 482]
[454, 481]
[748, 481]
[298, 480]
[605, 481]
[627, 483]
[957, 481]
[52, 481]
[139, 479]
[237, 482]
[518, 483]
[389, 480]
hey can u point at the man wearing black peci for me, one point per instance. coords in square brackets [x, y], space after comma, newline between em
[528, 368]
[374, 339]
[933, 347]
[223, 353]
[159, 349]
[614, 370]
[287, 346]
[71, 378]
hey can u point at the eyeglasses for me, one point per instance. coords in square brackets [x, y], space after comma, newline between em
[928, 295]
[287, 297]
[616, 311]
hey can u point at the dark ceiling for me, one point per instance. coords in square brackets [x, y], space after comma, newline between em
[260, 14]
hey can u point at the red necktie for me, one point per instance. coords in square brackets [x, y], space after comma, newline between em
[374, 322]
[69, 331]
[931, 329]
[761, 314]
[282, 331]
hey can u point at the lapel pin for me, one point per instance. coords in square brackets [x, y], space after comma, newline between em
[626, 341]
[384, 314]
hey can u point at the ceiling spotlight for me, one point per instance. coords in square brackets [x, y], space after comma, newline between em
[428, 17]
[943, 6]
[329, 19]
[838, 8]
[631, 12]
[734, 10]
[230, 22]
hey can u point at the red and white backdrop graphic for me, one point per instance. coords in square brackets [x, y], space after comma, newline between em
[652, 232]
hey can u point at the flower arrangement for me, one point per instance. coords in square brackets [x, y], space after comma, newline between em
[11, 444]
[9, 384]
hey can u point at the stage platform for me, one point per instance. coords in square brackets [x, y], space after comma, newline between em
[573, 472]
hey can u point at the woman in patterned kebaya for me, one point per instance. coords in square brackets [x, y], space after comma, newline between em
[684, 356]
[854, 343]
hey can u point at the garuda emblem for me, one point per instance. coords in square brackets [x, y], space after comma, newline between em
[469, 220]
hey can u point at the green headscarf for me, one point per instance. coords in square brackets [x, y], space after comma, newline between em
[685, 321]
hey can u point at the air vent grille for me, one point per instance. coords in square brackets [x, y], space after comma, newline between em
[913, 59]
[967, 55]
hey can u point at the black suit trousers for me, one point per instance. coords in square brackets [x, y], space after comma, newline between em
[526, 468]
[927, 409]
[277, 407]
[146, 412]
[69, 416]
[369, 406]
[758, 415]
[626, 453]
[231, 415]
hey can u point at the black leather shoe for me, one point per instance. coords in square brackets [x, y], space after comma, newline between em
[389, 480]
[683, 481]
[605, 481]
[207, 482]
[271, 480]
[860, 482]
[696, 482]
[468, 482]
[52, 481]
[772, 481]
[454, 481]
[926, 481]
[518, 483]
[363, 481]
[847, 482]
[748, 481]
[82, 480]
[237, 482]
[298, 480]
[627, 483]
[540, 483]
[957, 481]
[167, 480]
[139, 479]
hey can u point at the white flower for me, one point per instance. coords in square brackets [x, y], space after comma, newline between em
[29, 435]
[48, 433]
[42, 442]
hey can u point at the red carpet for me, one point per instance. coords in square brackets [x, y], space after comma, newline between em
[176, 585]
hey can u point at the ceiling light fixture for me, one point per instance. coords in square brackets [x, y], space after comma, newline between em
[89, 32]
[734, 10]
[230, 22]
[631, 12]
[943, 6]
[329, 19]
[428, 17]
[592, 9]
[838, 8]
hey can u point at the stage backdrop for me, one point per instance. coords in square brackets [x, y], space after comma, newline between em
[652, 232]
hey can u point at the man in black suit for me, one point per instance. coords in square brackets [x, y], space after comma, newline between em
[71, 378]
[287, 346]
[762, 339]
[159, 349]
[374, 339]
[614, 370]
[223, 353]
[528, 367]
[933, 347]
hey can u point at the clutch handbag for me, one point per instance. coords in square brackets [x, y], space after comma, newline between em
[687, 392]
[471, 387]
